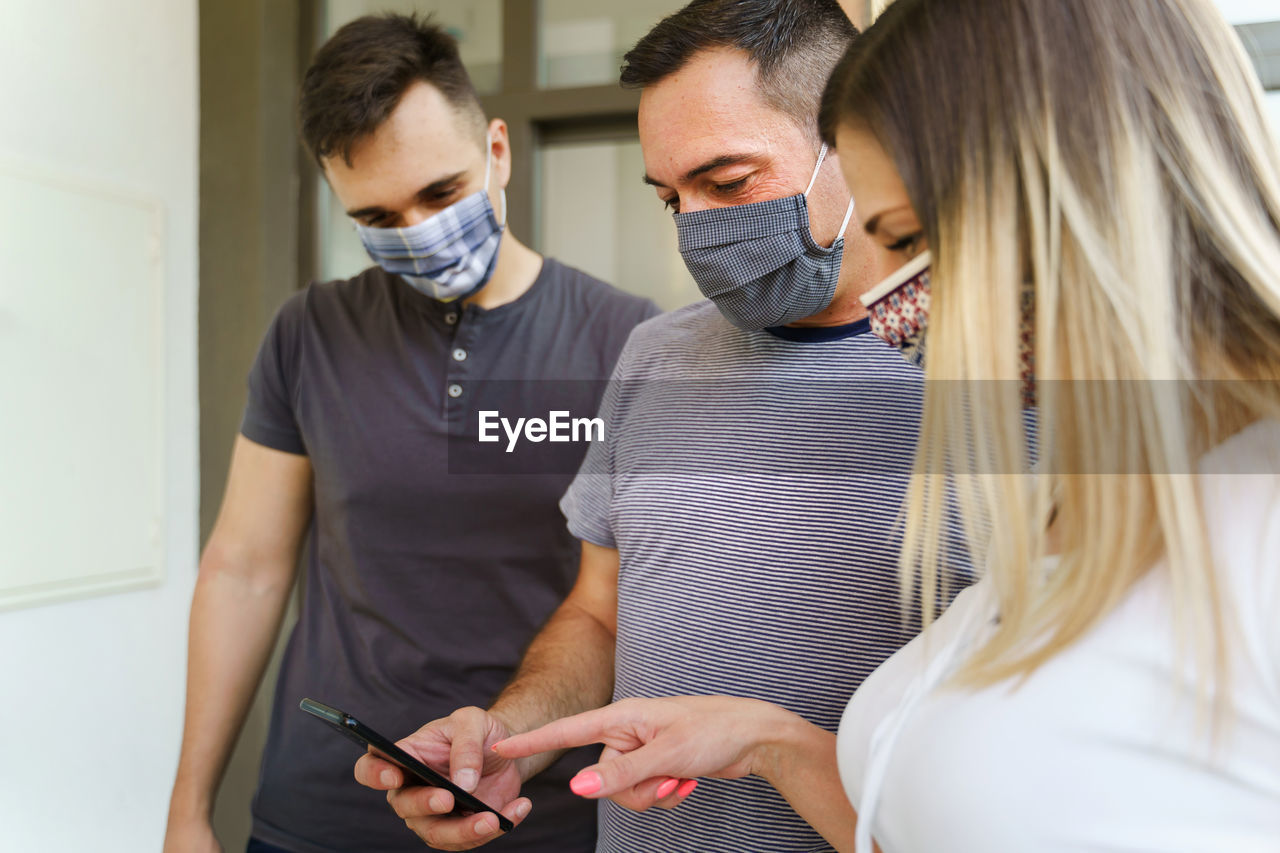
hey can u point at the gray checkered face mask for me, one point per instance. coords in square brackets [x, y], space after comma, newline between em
[446, 256]
[758, 262]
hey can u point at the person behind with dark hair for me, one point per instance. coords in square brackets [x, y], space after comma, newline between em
[424, 583]
[740, 524]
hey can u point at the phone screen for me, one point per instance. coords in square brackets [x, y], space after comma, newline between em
[415, 771]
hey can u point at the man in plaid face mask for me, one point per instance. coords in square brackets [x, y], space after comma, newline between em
[739, 524]
[360, 391]
[452, 253]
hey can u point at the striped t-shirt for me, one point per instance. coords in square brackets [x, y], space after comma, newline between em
[753, 483]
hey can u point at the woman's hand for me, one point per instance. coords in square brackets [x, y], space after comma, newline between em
[655, 747]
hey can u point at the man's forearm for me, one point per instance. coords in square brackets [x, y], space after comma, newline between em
[233, 628]
[567, 669]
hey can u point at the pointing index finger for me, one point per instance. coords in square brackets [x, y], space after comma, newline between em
[578, 730]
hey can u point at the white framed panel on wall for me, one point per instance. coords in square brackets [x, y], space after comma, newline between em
[81, 387]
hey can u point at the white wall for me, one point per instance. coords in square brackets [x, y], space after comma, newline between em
[1252, 12]
[91, 690]
[1249, 11]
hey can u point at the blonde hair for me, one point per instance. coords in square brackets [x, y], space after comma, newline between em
[1115, 158]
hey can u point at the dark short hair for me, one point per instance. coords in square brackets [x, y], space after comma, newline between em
[793, 43]
[359, 75]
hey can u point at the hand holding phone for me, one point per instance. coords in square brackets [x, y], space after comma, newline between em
[415, 771]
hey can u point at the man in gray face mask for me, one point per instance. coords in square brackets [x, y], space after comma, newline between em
[738, 522]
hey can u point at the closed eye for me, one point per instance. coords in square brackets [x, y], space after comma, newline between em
[906, 243]
[438, 196]
[732, 186]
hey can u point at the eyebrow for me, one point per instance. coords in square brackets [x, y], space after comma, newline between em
[433, 187]
[716, 163]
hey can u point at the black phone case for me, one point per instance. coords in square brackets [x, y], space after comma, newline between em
[357, 731]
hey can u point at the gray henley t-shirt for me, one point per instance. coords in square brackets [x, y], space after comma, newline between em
[428, 568]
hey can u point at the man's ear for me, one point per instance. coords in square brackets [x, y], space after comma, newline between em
[500, 145]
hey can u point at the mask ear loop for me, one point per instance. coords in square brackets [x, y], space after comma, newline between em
[848, 214]
[822, 153]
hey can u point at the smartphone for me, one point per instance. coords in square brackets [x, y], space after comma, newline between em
[415, 772]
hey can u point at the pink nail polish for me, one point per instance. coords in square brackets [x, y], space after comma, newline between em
[667, 787]
[687, 788]
[586, 784]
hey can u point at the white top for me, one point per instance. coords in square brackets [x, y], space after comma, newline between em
[1098, 750]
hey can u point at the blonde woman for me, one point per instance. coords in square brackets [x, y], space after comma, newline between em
[1083, 199]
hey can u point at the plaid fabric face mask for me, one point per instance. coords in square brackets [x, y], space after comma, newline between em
[758, 262]
[447, 256]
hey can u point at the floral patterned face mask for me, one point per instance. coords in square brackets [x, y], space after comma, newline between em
[898, 308]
